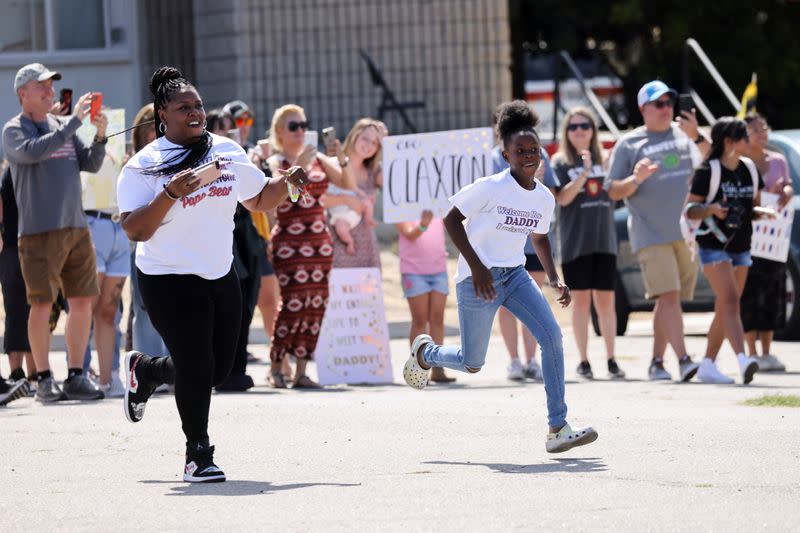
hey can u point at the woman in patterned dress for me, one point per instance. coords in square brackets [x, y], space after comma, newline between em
[302, 248]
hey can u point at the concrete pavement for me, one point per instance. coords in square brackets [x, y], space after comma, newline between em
[463, 457]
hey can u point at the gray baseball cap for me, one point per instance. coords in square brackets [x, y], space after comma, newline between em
[34, 71]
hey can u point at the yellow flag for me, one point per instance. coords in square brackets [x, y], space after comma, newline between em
[749, 97]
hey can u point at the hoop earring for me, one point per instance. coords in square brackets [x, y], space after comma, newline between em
[162, 128]
[205, 124]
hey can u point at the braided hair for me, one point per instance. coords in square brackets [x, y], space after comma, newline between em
[166, 81]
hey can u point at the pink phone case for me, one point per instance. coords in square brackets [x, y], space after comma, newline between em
[208, 173]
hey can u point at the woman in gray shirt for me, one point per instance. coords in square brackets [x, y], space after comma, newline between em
[586, 230]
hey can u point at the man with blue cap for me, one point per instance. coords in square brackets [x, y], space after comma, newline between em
[650, 169]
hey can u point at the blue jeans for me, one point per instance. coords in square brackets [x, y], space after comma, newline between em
[517, 292]
[145, 337]
[711, 256]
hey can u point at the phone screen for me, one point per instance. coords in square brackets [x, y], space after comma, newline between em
[66, 101]
[312, 138]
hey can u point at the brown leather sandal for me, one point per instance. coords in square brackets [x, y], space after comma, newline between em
[305, 382]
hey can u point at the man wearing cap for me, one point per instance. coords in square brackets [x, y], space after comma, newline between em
[55, 247]
[650, 169]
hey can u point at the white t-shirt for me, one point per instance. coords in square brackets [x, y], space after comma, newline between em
[196, 235]
[501, 215]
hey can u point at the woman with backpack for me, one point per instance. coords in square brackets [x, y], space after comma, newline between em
[723, 192]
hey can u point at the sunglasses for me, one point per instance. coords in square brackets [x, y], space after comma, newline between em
[242, 121]
[661, 104]
[294, 126]
[585, 126]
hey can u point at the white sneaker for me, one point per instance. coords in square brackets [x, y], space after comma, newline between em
[710, 373]
[114, 389]
[515, 370]
[414, 375]
[566, 439]
[770, 363]
[748, 366]
[534, 371]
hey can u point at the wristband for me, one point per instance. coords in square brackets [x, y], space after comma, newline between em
[699, 138]
[99, 140]
[166, 191]
[422, 228]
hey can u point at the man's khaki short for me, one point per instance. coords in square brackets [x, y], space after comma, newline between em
[668, 267]
[60, 259]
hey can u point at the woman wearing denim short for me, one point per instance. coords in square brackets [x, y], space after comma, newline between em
[489, 222]
[724, 239]
[423, 268]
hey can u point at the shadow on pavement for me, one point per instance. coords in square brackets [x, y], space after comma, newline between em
[586, 464]
[235, 487]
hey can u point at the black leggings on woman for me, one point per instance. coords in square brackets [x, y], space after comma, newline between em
[199, 320]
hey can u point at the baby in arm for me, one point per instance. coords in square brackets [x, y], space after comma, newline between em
[343, 218]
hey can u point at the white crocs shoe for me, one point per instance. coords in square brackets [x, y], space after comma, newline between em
[415, 375]
[566, 439]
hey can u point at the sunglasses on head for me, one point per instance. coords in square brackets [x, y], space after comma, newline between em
[585, 126]
[294, 126]
[661, 104]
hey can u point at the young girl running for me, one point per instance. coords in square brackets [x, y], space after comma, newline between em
[501, 211]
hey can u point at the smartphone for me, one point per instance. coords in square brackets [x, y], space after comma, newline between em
[266, 149]
[312, 138]
[97, 104]
[208, 173]
[328, 135]
[65, 99]
[235, 135]
[685, 103]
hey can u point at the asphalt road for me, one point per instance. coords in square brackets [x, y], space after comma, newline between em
[467, 457]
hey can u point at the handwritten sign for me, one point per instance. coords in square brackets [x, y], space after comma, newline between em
[422, 171]
[100, 188]
[771, 237]
[353, 345]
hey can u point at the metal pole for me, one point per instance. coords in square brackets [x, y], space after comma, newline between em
[596, 104]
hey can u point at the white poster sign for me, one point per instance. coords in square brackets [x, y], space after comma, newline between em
[771, 237]
[100, 188]
[353, 345]
[422, 171]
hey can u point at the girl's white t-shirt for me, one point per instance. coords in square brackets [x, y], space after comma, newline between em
[196, 235]
[500, 216]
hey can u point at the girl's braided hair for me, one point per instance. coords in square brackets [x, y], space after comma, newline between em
[166, 81]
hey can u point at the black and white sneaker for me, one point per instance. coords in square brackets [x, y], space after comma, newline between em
[200, 467]
[138, 387]
[13, 390]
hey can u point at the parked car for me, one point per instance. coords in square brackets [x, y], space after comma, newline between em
[630, 290]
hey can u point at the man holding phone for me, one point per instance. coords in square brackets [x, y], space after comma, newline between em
[650, 169]
[55, 246]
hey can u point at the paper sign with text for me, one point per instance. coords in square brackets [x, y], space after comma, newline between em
[423, 170]
[771, 238]
[100, 188]
[353, 345]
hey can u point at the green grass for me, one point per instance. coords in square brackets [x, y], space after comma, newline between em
[774, 400]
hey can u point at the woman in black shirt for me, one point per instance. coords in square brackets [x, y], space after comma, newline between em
[723, 192]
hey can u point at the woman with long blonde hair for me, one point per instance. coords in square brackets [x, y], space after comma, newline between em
[588, 238]
[302, 248]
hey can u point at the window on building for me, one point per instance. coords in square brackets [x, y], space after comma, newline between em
[61, 25]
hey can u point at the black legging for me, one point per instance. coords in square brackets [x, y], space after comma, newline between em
[199, 320]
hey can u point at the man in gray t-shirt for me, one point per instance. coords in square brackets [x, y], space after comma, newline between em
[55, 246]
[650, 169]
